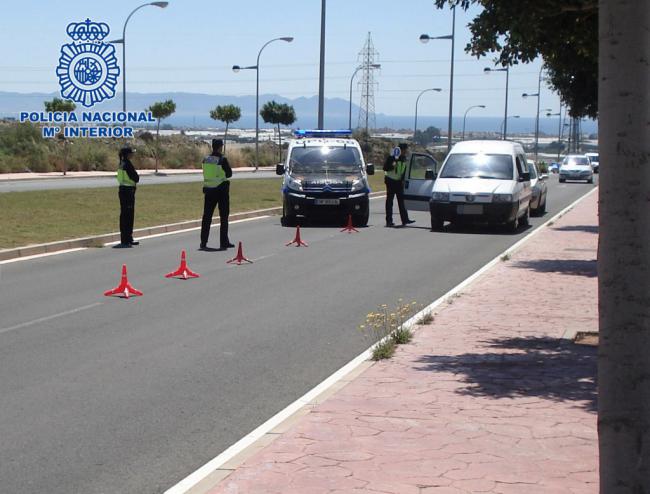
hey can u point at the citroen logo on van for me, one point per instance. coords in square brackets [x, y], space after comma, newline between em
[469, 198]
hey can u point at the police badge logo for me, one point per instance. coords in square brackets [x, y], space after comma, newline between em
[88, 69]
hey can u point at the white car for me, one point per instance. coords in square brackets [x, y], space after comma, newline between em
[482, 181]
[576, 167]
[539, 190]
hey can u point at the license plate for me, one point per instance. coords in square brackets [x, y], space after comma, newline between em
[470, 209]
[327, 202]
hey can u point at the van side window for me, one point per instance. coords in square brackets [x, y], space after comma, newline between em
[519, 167]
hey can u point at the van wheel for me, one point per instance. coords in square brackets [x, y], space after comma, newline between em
[591, 180]
[437, 224]
[513, 226]
[287, 219]
[542, 208]
[562, 180]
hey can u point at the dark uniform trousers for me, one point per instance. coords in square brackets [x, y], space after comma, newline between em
[216, 196]
[395, 188]
[127, 213]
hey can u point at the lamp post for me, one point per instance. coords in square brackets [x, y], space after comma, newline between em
[559, 130]
[417, 100]
[256, 68]
[372, 66]
[504, 124]
[122, 41]
[487, 70]
[538, 96]
[321, 76]
[465, 117]
[425, 38]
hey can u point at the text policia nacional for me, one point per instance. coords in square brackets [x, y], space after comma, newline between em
[106, 124]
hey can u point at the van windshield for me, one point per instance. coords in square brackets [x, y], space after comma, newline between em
[323, 159]
[494, 166]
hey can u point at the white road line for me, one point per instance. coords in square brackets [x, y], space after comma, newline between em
[185, 485]
[37, 256]
[49, 318]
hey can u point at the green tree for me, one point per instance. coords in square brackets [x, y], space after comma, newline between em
[278, 114]
[424, 137]
[563, 32]
[60, 105]
[159, 111]
[227, 114]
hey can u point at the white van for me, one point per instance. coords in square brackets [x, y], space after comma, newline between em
[482, 181]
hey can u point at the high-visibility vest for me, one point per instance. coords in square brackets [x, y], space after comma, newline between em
[397, 173]
[213, 173]
[122, 177]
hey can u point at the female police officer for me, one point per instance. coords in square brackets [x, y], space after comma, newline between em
[127, 178]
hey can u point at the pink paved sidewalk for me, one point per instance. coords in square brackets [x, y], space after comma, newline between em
[488, 398]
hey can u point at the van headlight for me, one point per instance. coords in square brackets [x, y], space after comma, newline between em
[357, 185]
[294, 184]
[440, 196]
[501, 197]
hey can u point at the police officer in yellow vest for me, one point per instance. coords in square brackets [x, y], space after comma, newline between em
[216, 190]
[395, 168]
[127, 178]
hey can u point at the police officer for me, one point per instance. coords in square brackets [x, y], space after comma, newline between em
[216, 190]
[127, 177]
[395, 168]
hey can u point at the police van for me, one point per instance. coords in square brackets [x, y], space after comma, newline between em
[325, 175]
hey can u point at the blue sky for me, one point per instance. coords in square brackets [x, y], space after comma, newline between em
[192, 44]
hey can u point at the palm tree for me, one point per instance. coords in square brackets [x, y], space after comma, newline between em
[60, 105]
[227, 114]
[159, 111]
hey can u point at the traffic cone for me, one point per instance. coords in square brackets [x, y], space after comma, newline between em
[183, 271]
[125, 289]
[297, 240]
[349, 228]
[239, 258]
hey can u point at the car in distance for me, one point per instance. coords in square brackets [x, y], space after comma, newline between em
[576, 167]
[482, 181]
[593, 158]
[325, 175]
[539, 190]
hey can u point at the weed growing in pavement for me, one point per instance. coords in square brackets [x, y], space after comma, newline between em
[426, 318]
[386, 328]
[550, 223]
[505, 257]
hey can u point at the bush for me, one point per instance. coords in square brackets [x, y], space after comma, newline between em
[386, 329]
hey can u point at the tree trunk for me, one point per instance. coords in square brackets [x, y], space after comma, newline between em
[624, 247]
[225, 139]
[157, 145]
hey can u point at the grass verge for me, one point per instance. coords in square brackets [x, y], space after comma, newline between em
[47, 216]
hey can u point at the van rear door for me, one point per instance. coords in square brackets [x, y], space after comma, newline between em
[420, 176]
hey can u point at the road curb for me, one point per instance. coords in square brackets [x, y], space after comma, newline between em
[216, 470]
[107, 238]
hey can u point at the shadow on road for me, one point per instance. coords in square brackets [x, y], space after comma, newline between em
[573, 267]
[542, 367]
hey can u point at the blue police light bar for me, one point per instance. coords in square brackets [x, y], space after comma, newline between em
[322, 133]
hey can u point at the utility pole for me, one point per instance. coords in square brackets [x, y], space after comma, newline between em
[321, 79]
[367, 58]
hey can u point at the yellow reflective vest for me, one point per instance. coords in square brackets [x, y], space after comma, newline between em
[213, 173]
[397, 173]
[122, 177]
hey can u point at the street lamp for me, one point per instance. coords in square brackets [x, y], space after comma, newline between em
[256, 68]
[122, 41]
[487, 70]
[372, 66]
[321, 74]
[465, 117]
[415, 127]
[425, 38]
[504, 124]
[538, 96]
[559, 131]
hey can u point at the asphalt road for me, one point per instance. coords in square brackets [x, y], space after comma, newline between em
[23, 185]
[103, 395]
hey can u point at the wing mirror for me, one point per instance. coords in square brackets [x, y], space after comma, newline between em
[430, 175]
[279, 169]
[543, 176]
[524, 177]
[370, 169]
